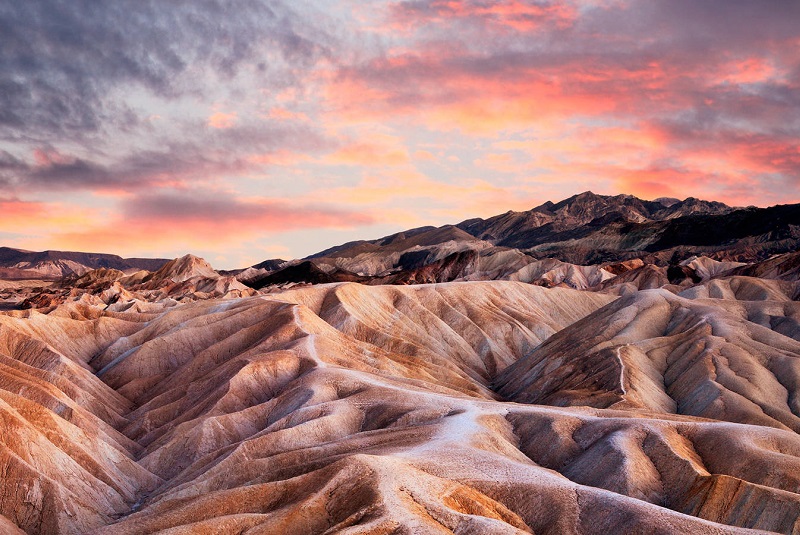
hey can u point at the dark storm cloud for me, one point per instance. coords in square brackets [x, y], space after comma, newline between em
[64, 173]
[732, 24]
[189, 206]
[9, 162]
[60, 59]
[205, 155]
[214, 154]
[220, 208]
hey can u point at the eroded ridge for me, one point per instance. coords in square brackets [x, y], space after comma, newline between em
[480, 407]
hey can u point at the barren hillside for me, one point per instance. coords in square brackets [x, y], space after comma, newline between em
[412, 396]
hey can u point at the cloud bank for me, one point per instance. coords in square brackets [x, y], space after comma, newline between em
[269, 117]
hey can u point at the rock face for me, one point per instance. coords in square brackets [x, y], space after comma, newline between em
[586, 231]
[782, 267]
[516, 228]
[591, 229]
[467, 407]
[183, 279]
[52, 265]
[182, 269]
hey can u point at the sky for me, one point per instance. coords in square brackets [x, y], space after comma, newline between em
[244, 130]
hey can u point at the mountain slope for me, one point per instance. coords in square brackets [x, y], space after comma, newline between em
[51, 265]
[589, 229]
[186, 278]
[514, 228]
[359, 409]
[584, 230]
[657, 351]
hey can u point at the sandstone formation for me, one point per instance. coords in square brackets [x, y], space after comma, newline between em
[345, 407]
[387, 387]
[183, 279]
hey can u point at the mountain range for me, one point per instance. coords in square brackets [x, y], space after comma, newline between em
[598, 365]
[586, 229]
[53, 265]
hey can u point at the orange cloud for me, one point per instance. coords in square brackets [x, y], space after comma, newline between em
[500, 162]
[283, 114]
[625, 108]
[440, 93]
[161, 220]
[35, 221]
[378, 150]
[515, 15]
[410, 198]
[424, 155]
[47, 157]
[749, 71]
[222, 120]
[279, 158]
[657, 182]
[521, 16]
[671, 181]
[14, 211]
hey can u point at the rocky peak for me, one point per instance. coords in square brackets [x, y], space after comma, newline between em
[587, 206]
[667, 201]
[95, 277]
[184, 268]
[692, 205]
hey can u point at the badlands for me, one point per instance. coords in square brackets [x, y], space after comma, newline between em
[408, 390]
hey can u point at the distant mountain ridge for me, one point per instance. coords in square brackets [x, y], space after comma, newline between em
[183, 279]
[547, 221]
[52, 265]
[539, 231]
[584, 230]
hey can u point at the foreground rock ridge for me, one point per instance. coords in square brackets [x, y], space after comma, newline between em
[626, 396]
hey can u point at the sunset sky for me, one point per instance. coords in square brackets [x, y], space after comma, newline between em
[245, 130]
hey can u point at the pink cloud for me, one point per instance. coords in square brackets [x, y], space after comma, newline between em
[13, 211]
[374, 150]
[284, 114]
[222, 120]
[514, 15]
[748, 71]
[48, 157]
[603, 80]
[202, 221]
